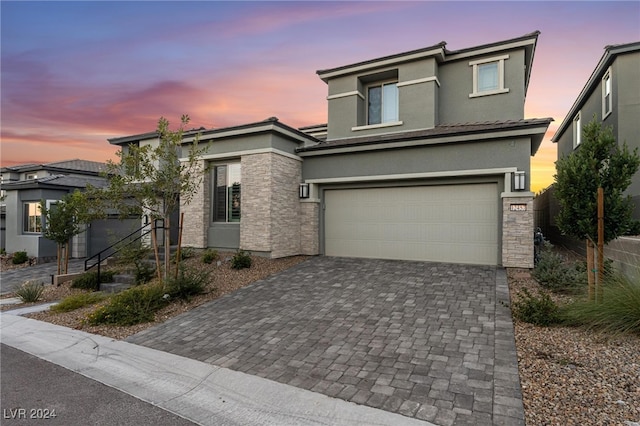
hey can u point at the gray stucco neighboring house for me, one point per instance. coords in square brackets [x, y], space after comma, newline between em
[24, 186]
[425, 156]
[612, 96]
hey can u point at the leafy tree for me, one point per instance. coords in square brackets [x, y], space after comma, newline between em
[153, 180]
[64, 220]
[597, 162]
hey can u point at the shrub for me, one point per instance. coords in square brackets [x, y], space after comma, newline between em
[617, 313]
[89, 280]
[144, 273]
[537, 310]
[210, 255]
[189, 282]
[133, 306]
[241, 260]
[185, 253]
[553, 273]
[77, 301]
[30, 291]
[20, 257]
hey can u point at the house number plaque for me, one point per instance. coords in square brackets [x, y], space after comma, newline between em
[518, 207]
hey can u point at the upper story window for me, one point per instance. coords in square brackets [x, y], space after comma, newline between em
[607, 102]
[32, 218]
[227, 193]
[577, 130]
[31, 176]
[488, 76]
[382, 101]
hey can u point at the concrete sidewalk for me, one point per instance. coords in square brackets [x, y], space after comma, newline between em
[197, 391]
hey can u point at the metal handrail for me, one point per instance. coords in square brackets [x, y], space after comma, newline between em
[100, 255]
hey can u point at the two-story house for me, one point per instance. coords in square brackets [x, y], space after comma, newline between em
[425, 156]
[612, 96]
[24, 186]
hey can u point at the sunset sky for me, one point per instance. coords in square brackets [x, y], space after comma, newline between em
[77, 73]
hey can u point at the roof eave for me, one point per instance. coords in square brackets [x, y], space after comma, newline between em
[610, 54]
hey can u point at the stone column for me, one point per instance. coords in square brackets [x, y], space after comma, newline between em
[197, 214]
[517, 230]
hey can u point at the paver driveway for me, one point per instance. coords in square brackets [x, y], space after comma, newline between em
[426, 340]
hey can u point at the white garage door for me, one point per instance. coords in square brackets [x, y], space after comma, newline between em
[449, 223]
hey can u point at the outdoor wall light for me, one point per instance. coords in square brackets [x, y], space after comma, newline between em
[303, 190]
[518, 181]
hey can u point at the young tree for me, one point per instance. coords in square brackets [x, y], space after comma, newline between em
[599, 162]
[64, 220]
[152, 180]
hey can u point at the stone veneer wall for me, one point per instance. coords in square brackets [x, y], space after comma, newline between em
[255, 224]
[517, 233]
[286, 174]
[270, 205]
[197, 214]
[309, 220]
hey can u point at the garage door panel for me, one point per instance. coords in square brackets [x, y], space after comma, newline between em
[454, 223]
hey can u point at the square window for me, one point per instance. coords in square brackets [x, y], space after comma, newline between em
[382, 100]
[488, 76]
[227, 193]
[32, 218]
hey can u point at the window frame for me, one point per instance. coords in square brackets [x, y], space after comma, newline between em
[499, 60]
[228, 206]
[577, 130]
[26, 218]
[607, 90]
[382, 84]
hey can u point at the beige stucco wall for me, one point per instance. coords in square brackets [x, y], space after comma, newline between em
[517, 233]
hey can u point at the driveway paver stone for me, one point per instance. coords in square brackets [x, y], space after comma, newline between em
[425, 340]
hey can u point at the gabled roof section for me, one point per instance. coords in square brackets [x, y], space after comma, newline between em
[69, 166]
[442, 54]
[57, 182]
[450, 133]
[271, 124]
[610, 54]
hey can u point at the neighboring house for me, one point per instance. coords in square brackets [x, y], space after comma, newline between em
[24, 186]
[425, 156]
[612, 96]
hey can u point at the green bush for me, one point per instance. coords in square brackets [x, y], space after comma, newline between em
[553, 273]
[89, 280]
[537, 310]
[133, 306]
[189, 282]
[185, 253]
[20, 257]
[617, 313]
[30, 291]
[210, 255]
[241, 260]
[77, 301]
[144, 273]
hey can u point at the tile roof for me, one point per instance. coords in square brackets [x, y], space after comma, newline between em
[438, 131]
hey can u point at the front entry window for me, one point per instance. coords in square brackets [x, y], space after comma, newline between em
[32, 218]
[227, 193]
